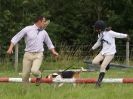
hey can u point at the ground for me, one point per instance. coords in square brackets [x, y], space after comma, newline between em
[67, 91]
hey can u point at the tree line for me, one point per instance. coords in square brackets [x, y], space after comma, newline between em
[71, 20]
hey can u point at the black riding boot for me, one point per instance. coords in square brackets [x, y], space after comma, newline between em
[100, 78]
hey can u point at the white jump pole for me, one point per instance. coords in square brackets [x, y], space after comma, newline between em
[81, 80]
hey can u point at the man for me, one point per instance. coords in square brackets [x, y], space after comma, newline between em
[106, 38]
[34, 36]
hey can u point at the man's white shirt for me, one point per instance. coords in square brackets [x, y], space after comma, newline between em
[34, 39]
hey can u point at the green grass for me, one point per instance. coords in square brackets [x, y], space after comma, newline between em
[67, 91]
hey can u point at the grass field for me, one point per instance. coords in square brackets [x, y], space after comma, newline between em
[67, 91]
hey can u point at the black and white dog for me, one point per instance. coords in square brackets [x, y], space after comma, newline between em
[65, 74]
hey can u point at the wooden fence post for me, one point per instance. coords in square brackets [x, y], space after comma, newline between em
[127, 53]
[16, 58]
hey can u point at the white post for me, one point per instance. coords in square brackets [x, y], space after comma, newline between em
[16, 58]
[127, 53]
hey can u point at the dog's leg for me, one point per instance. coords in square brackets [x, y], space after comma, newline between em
[76, 76]
[74, 84]
[61, 84]
[56, 85]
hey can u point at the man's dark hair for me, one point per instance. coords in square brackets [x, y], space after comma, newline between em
[39, 18]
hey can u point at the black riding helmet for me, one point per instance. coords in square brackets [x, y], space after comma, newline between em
[100, 25]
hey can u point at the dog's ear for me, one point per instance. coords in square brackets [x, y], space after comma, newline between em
[46, 76]
[49, 76]
[54, 75]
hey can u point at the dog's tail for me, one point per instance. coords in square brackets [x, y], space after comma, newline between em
[82, 69]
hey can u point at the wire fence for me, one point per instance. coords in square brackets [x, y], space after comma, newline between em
[68, 51]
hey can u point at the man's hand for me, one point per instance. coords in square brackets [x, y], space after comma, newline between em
[10, 49]
[55, 54]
